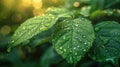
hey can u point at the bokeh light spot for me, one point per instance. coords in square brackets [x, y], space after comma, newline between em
[5, 30]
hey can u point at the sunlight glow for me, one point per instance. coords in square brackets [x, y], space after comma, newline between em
[37, 4]
[26, 3]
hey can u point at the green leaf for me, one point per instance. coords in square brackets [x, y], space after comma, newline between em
[60, 11]
[32, 27]
[85, 11]
[73, 38]
[39, 24]
[107, 43]
[56, 11]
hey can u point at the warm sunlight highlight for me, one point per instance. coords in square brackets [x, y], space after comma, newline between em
[37, 4]
[26, 3]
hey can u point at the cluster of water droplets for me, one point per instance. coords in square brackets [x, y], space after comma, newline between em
[78, 43]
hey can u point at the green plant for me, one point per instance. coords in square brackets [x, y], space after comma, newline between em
[73, 35]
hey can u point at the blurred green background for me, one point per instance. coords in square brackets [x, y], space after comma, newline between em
[14, 12]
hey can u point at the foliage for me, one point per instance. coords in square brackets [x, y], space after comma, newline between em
[69, 34]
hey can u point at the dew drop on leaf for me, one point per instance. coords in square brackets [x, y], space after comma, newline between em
[23, 28]
[74, 48]
[84, 49]
[76, 25]
[64, 50]
[85, 43]
[64, 37]
[78, 46]
[76, 54]
[84, 36]
[61, 48]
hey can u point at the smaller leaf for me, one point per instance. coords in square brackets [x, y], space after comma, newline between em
[85, 11]
[107, 42]
[60, 11]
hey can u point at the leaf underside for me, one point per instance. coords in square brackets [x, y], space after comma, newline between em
[73, 38]
[107, 42]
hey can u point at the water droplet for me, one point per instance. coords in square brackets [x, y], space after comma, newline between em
[61, 52]
[78, 46]
[96, 29]
[70, 51]
[65, 26]
[9, 49]
[15, 34]
[84, 36]
[84, 49]
[47, 24]
[80, 40]
[60, 47]
[64, 37]
[74, 48]
[23, 28]
[66, 21]
[76, 25]
[12, 41]
[85, 43]
[78, 31]
[74, 42]
[28, 33]
[71, 60]
[64, 50]
[42, 28]
[76, 37]
[76, 54]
